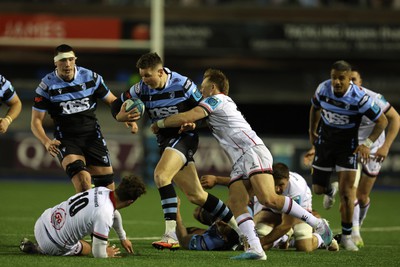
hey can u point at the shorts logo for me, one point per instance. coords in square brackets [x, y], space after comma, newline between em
[58, 218]
[351, 160]
[253, 166]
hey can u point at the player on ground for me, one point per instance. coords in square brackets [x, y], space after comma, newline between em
[273, 227]
[8, 96]
[341, 105]
[59, 230]
[379, 151]
[249, 156]
[69, 95]
[218, 236]
[165, 92]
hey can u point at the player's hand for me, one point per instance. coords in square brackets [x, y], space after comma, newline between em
[309, 157]
[52, 147]
[130, 116]
[363, 152]
[4, 125]
[187, 126]
[381, 154]
[113, 252]
[208, 181]
[133, 126]
[154, 128]
[127, 245]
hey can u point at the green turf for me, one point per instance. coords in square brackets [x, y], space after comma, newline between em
[22, 203]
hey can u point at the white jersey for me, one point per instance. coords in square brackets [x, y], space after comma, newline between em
[367, 125]
[297, 190]
[229, 127]
[89, 212]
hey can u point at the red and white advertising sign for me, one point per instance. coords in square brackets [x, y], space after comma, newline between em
[50, 26]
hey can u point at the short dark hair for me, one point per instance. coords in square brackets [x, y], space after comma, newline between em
[341, 65]
[130, 188]
[219, 78]
[149, 60]
[280, 171]
[63, 48]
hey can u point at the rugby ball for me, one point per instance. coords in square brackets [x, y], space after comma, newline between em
[132, 103]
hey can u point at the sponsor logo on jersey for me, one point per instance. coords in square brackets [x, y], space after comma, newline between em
[43, 85]
[58, 218]
[335, 118]
[163, 112]
[187, 84]
[75, 106]
[363, 100]
[38, 99]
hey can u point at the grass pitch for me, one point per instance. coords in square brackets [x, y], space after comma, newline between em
[23, 202]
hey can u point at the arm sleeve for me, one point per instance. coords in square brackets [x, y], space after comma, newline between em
[116, 106]
[117, 225]
[99, 248]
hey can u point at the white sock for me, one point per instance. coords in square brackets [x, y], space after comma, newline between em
[364, 211]
[170, 226]
[247, 227]
[293, 209]
[356, 214]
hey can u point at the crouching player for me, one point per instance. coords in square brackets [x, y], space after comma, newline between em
[275, 229]
[59, 230]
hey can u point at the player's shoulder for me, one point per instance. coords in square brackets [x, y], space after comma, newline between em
[296, 177]
[324, 86]
[214, 100]
[179, 79]
[3, 81]
[49, 80]
[85, 73]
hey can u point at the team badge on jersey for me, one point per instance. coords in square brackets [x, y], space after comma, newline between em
[137, 88]
[83, 86]
[213, 102]
[58, 218]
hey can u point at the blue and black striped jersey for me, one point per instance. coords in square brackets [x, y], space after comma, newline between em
[341, 116]
[7, 91]
[71, 104]
[179, 94]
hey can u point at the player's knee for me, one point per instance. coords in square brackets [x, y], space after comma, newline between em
[302, 231]
[272, 201]
[75, 167]
[263, 229]
[103, 180]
